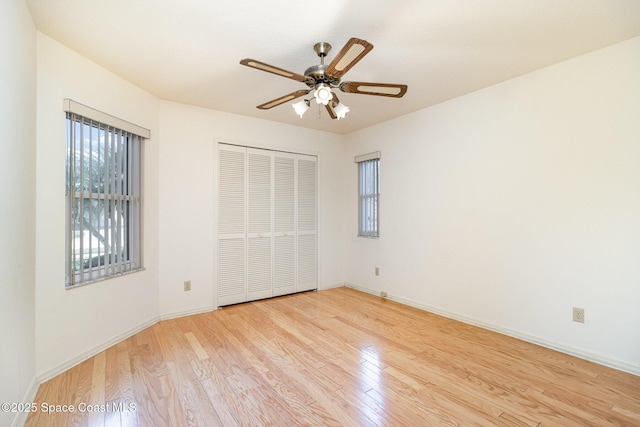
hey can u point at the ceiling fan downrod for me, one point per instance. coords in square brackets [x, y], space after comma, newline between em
[322, 49]
[315, 75]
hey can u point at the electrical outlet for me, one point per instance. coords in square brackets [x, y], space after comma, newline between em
[383, 294]
[187, 285]
[377, 271]
[578, 314]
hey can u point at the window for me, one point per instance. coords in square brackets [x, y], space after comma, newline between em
[104, 220]
[368, 194]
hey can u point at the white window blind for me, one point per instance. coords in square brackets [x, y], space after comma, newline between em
[104, 213]
[368, 194]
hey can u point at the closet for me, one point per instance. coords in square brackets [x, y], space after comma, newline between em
[267, 223]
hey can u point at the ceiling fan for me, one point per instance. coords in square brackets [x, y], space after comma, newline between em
[323, 78]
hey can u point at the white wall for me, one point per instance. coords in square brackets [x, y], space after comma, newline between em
[72, 324]
[509, 206]
[17, 188]
[188, 150]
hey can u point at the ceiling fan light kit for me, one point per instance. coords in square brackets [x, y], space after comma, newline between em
[321, 79]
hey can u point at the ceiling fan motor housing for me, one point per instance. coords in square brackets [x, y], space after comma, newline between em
[316, 75]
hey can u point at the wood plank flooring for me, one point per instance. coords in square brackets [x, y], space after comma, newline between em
[334, 358]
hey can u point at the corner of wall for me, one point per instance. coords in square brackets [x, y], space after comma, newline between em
[17, 248]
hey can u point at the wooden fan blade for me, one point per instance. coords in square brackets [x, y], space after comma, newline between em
[282, 99]
[271, 69]
[351, 53]
[329, 106]
[378, 89]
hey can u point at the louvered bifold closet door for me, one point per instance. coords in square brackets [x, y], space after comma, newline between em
[231, 225]
[259, 223]
[284, 219]
[307, 223]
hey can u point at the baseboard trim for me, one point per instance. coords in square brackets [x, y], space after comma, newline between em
[177, 314]
[577, 352]
[365, 290]
[57, 370]
[29, 397]
[332, 286]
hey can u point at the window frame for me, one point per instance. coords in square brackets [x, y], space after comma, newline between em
[103, 196]
[369, 195]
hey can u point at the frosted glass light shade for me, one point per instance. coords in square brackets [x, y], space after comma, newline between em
[323, 94]
[341, 110]
[301, 107]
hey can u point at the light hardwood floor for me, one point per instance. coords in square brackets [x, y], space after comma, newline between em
[336, 357]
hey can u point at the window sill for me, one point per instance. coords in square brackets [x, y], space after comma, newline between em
[102, 279]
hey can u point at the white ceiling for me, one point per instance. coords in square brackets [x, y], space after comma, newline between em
[188, 51]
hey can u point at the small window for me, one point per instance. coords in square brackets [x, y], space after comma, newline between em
[369, 195]
[104, 218]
